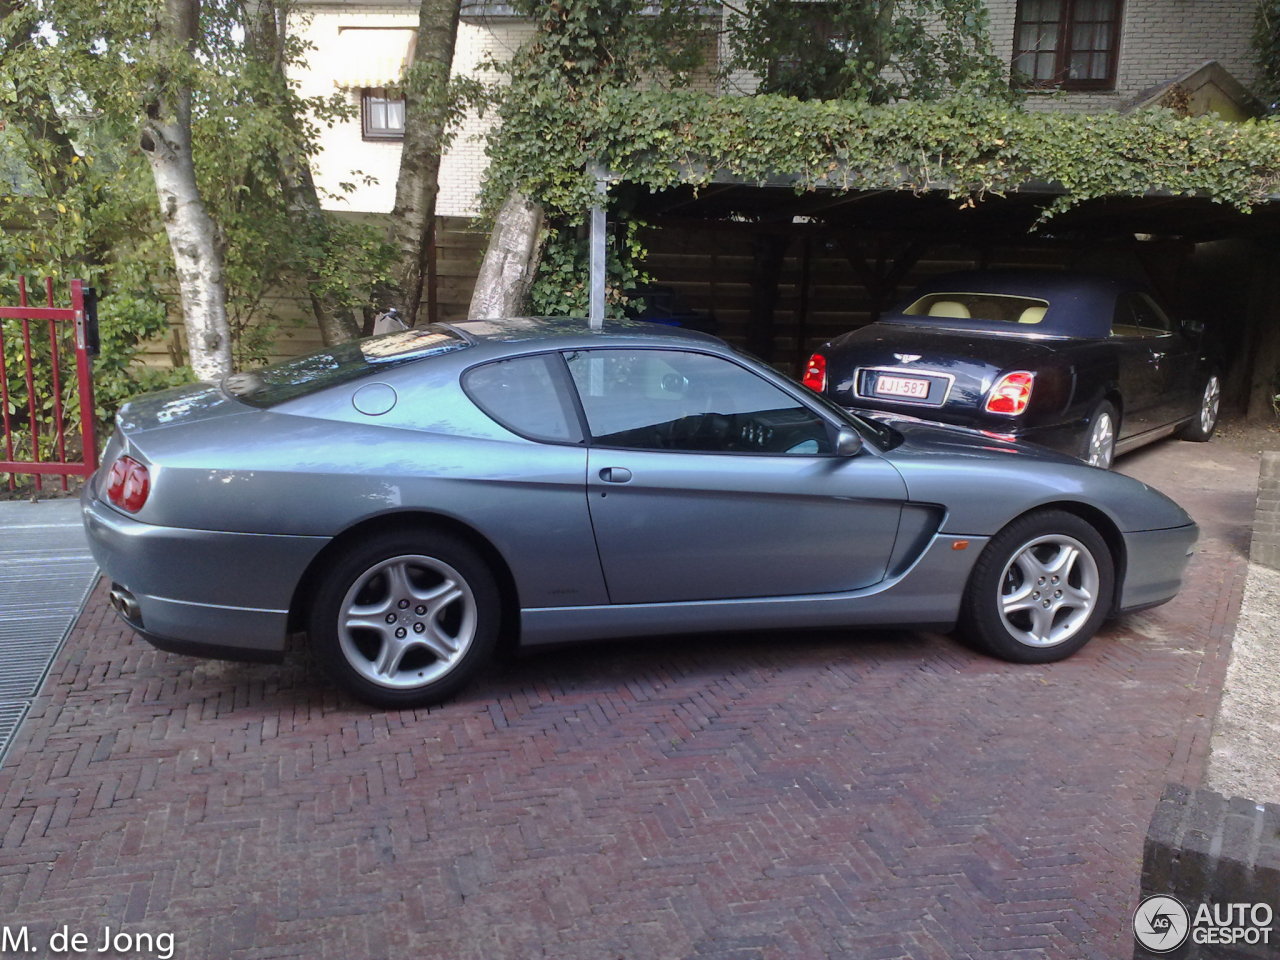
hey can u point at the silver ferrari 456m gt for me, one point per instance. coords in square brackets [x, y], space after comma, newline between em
[408, 499]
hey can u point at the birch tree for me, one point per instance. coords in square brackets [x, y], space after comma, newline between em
[165, 138]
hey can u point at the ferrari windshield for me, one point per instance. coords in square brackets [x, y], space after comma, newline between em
[342, 363]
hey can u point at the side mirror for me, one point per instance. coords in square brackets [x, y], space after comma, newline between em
[848, 442]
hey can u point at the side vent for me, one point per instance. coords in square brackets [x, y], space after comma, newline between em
[916, 527]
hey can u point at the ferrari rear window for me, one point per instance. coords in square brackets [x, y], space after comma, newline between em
[980, 306]
[301, 376]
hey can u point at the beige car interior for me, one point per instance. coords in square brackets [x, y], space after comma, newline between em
[949, 308]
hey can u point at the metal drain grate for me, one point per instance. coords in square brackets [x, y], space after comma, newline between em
[46, 573]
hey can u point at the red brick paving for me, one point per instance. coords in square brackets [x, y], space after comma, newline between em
[785, 795]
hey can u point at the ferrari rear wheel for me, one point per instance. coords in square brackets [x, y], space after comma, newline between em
[406, 619]
[1100, 440]
[1040, 590]
[1206, 420]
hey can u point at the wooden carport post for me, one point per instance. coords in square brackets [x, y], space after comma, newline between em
[768, 252]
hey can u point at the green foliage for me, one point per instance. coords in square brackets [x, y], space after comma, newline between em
[873, 50]
[966, 146]
[581, 49]
[560, 289]
[76, 194]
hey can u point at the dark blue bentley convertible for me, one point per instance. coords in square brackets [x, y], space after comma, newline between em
[1085, 365]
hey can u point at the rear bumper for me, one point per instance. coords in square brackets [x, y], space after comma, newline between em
[1155, 561]
[201, 592]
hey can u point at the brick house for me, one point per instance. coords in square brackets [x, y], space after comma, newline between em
[1074, 54]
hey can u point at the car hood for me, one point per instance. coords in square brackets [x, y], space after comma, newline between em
[924, 438]
[189, 404]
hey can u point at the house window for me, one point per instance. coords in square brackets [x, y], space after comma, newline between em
[382, 113]
[1067, 44]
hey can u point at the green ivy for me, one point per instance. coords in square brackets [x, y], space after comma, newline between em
[560, 289]
[969, 147]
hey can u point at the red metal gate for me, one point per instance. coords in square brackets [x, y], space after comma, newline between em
[41, 402]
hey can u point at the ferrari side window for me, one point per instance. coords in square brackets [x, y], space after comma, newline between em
[692, 402]
[526, 395]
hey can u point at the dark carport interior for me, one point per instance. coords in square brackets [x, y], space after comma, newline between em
[781, 272]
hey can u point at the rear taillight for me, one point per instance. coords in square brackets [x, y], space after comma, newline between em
[815, 374]
[1011, 394]
[128, 483]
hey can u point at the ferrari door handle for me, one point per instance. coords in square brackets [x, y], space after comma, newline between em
[615, 474]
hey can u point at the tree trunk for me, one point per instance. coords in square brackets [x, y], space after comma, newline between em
[510, 261]
[426, 117]
[266, 34]
[197, 249]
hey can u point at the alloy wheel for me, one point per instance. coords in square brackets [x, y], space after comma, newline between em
[1209, 404]
[1102, 442]
[407, 621]
[1048, 590]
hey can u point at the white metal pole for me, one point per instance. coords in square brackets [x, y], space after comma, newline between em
[595, 314]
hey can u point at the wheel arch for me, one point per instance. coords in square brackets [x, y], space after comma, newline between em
[509, 630]
[1100, 521]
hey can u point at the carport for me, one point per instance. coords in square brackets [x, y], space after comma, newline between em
[780, 272]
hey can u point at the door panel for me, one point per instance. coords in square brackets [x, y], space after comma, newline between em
[692, 526]
[1142, 385]
[706, 481]
[1183, 381]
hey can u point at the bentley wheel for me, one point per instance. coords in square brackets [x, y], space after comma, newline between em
[1040, 589]
[1100, 440]
[406, 619]
[1206, 420]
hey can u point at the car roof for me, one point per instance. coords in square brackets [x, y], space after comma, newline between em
[1080, 304]
[569, 332]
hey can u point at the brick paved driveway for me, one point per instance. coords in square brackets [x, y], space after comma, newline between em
[780, 796]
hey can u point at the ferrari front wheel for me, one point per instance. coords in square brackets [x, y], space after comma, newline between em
[1040, 590]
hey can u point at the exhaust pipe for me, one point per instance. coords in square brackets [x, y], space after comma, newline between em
[126, 605]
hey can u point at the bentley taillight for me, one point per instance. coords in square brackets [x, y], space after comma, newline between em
[815, 374]
[128, 484]
[1011, 393]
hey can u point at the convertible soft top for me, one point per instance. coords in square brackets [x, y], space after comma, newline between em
[1079, 305]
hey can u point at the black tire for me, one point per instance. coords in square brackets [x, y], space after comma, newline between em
[364, 586]
[1107, 410]
[1205, 422]
[1000, 576]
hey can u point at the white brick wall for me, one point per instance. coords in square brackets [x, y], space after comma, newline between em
[1160, 39]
